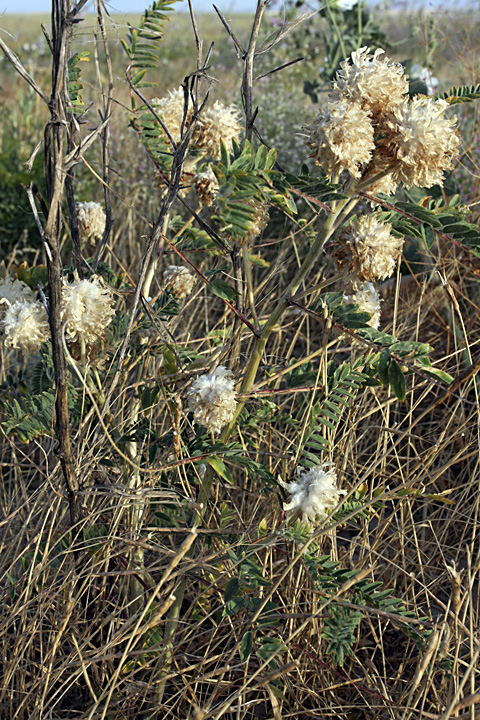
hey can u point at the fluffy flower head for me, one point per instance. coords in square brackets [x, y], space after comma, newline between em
[25, 325]
[212, 399]
[314, 492]
[257, 222]
[369, 248]
[368, 300]
[180, 281]
[171, 109]
[425, 142]
[375, 83]
[91, 220]
[217, 123]
[13, 290]
[86, 310]
[341, 138]
[206, 186]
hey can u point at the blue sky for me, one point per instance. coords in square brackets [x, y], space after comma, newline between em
[137, 6]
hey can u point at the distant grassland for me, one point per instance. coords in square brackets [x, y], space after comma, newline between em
[456, 34]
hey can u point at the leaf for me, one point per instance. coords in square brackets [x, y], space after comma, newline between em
[383, 367]
[222, 290]
[220, 468]
[410, 346]
[437, 374]
[246, 646]
[269, 646]
[234, 606]
[396, 379]
[232, 589]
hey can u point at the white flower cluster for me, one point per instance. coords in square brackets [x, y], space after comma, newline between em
[314, 492]
[173, 110]
[179, 280]
[216, 123]
[13, 290]
[373, 251]
[372, 129]
[23, 320]
[370, 252]
[257, 223]
[86, 310]
[212, 399]
[91, 220]
[206, 186]
[368, 300]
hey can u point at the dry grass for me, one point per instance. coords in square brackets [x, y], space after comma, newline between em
[71, 646]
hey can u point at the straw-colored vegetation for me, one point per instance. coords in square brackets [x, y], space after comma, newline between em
[239, 469]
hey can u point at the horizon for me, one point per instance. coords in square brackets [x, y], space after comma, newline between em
[40, 7]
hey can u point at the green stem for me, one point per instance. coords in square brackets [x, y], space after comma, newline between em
[330, 225]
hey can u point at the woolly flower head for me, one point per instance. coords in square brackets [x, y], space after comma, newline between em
[341, 138]
[217, 123]
[212, 399]
[91, 220]
[86, 310]
[206, 186]
[369, 248]
[314, 492]
[12, 291]
[171, 109]
[368, 300]
[425, 142]
[25, 325]
[375, 83]
[180, 281]
[257, 222]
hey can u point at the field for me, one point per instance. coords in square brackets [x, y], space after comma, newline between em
[239, 403]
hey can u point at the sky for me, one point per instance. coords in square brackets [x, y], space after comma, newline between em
[137, 6]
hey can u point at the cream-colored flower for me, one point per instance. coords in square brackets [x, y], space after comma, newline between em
[368, 300]
[25, 325]
[179, 280]
[369, 249]
[91, 220]
[212, 399]
[258, 222]
[173, 111]
[341, 138]
[13, 290]
[187, 177]
[375, 83]
[314, 492]
[206, 186]
[217, 123]
[86, 310]
[425, 140]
